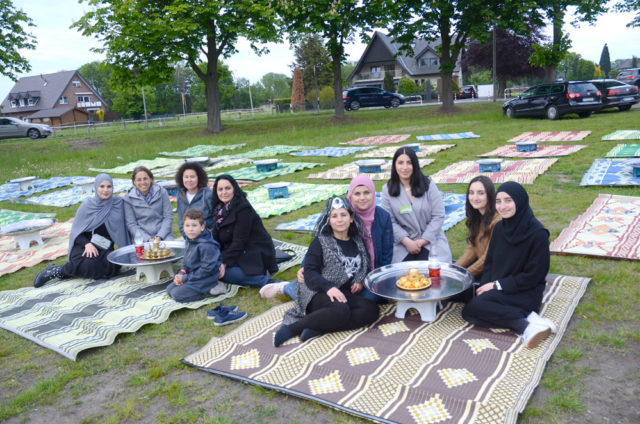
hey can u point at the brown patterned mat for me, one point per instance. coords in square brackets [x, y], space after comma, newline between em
[403, 371]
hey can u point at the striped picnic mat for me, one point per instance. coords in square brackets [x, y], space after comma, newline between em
[388, 152]
[453, 136]
[8, 216]
[622, 135]
[269, 151]
[542, 152]
[11, 190]
[378, 140]
[520, 171]
[334, 152]
[624, 150]
[203, 150]
[149, 163]
[70, 196]
[399, 370]
[300, 195]
[551, 136]
[284, 168]
[350, 170]
[607, 171]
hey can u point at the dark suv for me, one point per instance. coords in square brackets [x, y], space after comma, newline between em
[630, 76]
[555, 99]
[357, 97]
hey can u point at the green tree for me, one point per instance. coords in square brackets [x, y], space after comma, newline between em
[605, 61]
[387, 83]
[127, 101]
[276, 85]
[310, 53]
[13, 37]
[152, 36]
[98, 74]
[630, 6]
[347, 69]
[407, 86]
[634, 62]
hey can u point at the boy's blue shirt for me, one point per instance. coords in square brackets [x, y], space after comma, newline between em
[202, 261]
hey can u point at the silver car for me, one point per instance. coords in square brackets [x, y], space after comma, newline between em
[14, 127]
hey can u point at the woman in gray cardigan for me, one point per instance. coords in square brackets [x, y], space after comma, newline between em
[417, 211]
[147, 208]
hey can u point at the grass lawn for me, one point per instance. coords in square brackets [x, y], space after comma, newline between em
[590, 378]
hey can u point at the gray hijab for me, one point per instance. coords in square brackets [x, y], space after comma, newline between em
[94, 212]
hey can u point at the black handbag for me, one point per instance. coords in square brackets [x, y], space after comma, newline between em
[283, 255]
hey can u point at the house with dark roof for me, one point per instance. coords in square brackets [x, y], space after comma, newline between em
[382, 55]
[55, 99]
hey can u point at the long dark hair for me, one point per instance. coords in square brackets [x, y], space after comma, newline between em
[419, 181]
[237, 191]
[476, 222]
[197, 168]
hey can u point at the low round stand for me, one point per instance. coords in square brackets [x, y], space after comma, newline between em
[153, 272]
[427, 310]
[24, 240]
[24, 232]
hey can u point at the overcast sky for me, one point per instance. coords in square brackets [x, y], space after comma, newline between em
[61, 48]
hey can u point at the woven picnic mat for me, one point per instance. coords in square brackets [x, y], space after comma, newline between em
[11, 190]
[453, 136]
[378, 140]
[8, 216]
[300, 195]
[298, 253]
[551, 136]
[613, 172]
[624, 150]
[610, 227]
[388, 152]
[203, 150]
[399, 370]
[622, 135]
[454, 209]
[334, 152]
[55, 244]
[520, 171]
[70, 196]
[350, 170]
[149, 163]
[542, 152]
[284, 168]
[220, 162]
[269, 151]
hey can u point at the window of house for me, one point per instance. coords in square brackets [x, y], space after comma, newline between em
[433, 61]
[63, 100]
[83, 99]
[14, 103]
[375, 71]
[23, 102]
[76, 83]
[390, 68]
[32, 101]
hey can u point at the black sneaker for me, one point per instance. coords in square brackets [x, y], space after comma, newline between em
[229, 318]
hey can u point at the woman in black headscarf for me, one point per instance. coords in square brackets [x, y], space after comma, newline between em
[97, 226]
[515, 269]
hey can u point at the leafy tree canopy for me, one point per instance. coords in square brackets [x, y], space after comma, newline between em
[630, 6]
[310, 52]
[13, 37]
[605, 61]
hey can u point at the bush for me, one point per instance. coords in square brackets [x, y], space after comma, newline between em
[406, 86]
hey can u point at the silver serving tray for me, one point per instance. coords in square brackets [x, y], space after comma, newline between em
[27, 226]
[127, 255]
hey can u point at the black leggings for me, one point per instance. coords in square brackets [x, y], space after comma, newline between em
[326, 316]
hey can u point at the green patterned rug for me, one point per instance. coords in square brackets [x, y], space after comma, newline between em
[284, 168]
[149, 163]
[269, 151]
[300, 195]
[624, 151]
[203, 150]
[8, 216]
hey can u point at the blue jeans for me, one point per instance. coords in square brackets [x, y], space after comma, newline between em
[235, 275]
[290, 290]
[184, 293]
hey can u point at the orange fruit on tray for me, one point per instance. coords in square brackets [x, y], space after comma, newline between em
[413, 281]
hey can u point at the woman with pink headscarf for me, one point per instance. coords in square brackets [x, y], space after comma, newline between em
[378, 236]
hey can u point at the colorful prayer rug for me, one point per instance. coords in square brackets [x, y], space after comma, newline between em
[520, 171]
[399, 370]
[71, 196]
[300, 195]
[542, 152]
[551, 136]
[269, 151]
[55, 244]
[378, 140]
[334, 152]
[388, 152]
[203, 150]
[8, 216]
[11, 190]
[149, 163]
[614, 172]
[350, 170]
[624, 150]
[454, 208]
[610, 227]
[454, 136]
[284, 168]
[622, 135]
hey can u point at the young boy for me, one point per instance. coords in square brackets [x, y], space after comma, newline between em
[201, 261]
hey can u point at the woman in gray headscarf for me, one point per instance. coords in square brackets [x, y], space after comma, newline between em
[98, 225]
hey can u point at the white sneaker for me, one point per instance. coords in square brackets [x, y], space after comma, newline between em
[535, 333]
[534, 317]
[219, 288]
[272, 290]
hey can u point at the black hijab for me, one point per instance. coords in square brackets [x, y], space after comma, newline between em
[523, 224]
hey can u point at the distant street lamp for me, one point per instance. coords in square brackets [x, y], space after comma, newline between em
[315, 79]
[250, 98]
[144, 101]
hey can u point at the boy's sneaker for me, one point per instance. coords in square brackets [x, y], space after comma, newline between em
[272, 288]
[220, 309]
[229, 318]
[220, 288]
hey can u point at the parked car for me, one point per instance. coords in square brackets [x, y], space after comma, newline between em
[617, 94]
[630, 76]
[357, 97]
[14, 127]
[554, 100]
[468, 92]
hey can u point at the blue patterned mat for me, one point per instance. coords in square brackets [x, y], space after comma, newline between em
[453, 208]
[334, 152]
[70, 196]
[454, 136]
[613, 172]
[10, 190]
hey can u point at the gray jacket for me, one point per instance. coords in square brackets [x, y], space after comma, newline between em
[421, 219]
[153, 219]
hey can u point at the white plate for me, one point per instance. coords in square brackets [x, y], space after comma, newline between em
[22, 180]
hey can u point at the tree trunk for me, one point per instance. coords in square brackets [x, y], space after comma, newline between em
[446, 66]
[336, 60]
[558, 19]
[212, 94]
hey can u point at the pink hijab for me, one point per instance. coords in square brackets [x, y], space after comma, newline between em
[366, 215]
